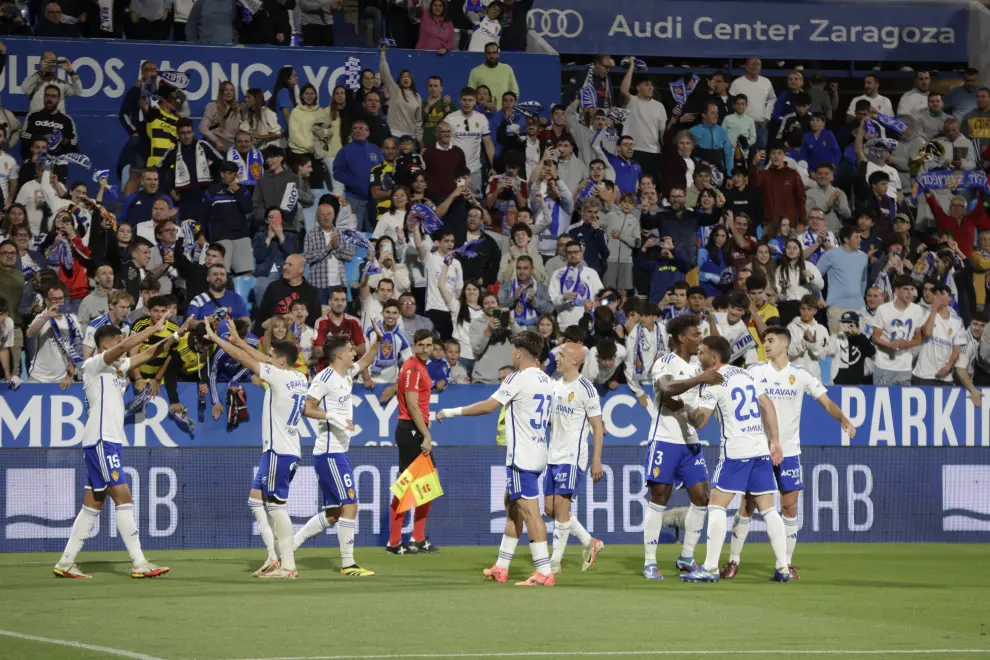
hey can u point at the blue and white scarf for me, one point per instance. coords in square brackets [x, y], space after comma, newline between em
[640, 365]
[681, 90]
[392, 344]
[742, 345]
[523, 312]
[575, 285]
[950, 180]
[250, 170]
[61, 254]
[70, 346]
[172, 273]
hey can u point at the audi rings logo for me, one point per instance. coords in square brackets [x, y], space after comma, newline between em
[555, 22]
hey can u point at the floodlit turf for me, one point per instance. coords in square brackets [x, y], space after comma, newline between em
[850, 597]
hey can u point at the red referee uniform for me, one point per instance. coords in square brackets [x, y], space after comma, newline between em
[413, 377]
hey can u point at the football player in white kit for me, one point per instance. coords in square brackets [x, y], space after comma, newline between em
[750, 449]
[329, 400]
[105, 381]
[527, 395]
[673, 454]
[576, 406]
[285, 399]
[785, 384]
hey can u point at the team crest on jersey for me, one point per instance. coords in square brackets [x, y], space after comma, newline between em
[656, 472]
[115, 475]
[792, 379]
[570, 397]
[350, 493]
[950, 332]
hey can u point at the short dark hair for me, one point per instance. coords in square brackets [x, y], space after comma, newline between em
[738, 300]
[184, 122]
[901, 280]
[391, 302]
[847, 232]
[808, 300]
[217, 247]
[802, 98]
[469, 91]
[421, 334]
[679, 286]
[150, 283]
[286, 349]
[719, 346]
[157, 301]
[982, 316]
[102, 333]
[877, 177]
[778, 331]
[678, 326]
[755, 282]
[333, 345]
[939, 287]
[697, 291]
[576, 334]
[337, 289]
[530, 342]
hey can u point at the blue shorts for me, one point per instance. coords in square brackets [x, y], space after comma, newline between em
[275, 473]
[788, 474]
[336, 479]
[670, 463]
[745, 475]
[522, 483]
[562, 480]
[104, 466]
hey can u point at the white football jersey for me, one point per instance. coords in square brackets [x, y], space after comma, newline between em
[936, 350]
[104, 385]
[527, 396]
[285, 401]
[737, 407]
[897, 324]
[333, 391]
[670, 426]
[574, 404]
[786, 388]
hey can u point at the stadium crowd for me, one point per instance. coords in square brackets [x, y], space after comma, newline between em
[467, 211]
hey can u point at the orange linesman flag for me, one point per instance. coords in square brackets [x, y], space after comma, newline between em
[418, 485]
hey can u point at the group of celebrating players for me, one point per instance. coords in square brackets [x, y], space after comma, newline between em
[758, 410]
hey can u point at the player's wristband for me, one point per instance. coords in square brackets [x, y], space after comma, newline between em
[453, 412]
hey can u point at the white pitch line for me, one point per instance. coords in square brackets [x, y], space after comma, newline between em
[79, 645]
[574, 654]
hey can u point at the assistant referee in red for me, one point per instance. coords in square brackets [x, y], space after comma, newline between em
[412, 435]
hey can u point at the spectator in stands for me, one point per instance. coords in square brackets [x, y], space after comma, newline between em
[280, 188]
[965, 365]
[845, 270]
[405, 106]
[484, 266]
[221, 118]
[914, 102]
[411, 321]
[490, 341]
[188, 169]
[11, 288]
[871, 93]
[943, 338]
[740, 198]
[163, 254]
[760, 95]
[464, 309]
[525, 297]
[370, 113]
[623, 227]
[317, 21]
[827, 197]
[929, 124]
[961, 100]
[228, 207]
[47, 74]
[795, 280]
[271, 248]
[471, 131]
[963, 224]
[787, 102]
[761, 315]
[494, 75]
[138, 208]
[781, 186]
[521, 244]
[308, 122]
[383, 179]
[96, 303]
[352, 167]
[270, 24]
[436, 31]
[323, 250]
[718, 93]
[59, 338]
[851, 350]
[436, 106]
[42, 123]
[280, 295]
[809, 338]
[591, 235]
[551, 203]
[647, 120]
[213, 22]
[217, 296]
[259, 121]
[820, 146]
[160, 124]
[897, 329]
[442, 162]
[740, 127]
[134, 153]
[712, 143]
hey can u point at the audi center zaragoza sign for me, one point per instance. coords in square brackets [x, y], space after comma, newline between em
[826, 31]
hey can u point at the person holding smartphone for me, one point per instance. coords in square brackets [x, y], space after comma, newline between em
[47, 74]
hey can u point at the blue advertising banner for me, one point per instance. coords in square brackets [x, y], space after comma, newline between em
[41, 416]
[197, 498]
[803, 30]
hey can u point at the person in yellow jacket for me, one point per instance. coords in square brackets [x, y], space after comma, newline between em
[308, 123]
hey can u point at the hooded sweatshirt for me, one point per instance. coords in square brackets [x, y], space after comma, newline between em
[352, 166]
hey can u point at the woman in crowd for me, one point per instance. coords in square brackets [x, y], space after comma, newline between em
[280, 329]
[405, 106]
[763, 264]
[326, 146]
[259, 120]
[420, 183]
[391, 268]
[795, 279]
[549, 333]
[436, 31]
[715, 259]
[221, 118]
[463, 310]
[394, 219]
[522, 244]
[308, 122]
[283, 98]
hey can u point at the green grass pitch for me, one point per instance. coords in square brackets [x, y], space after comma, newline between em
[885, 599]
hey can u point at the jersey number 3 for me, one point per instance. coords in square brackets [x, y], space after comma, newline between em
[543, 406]
[747, 407]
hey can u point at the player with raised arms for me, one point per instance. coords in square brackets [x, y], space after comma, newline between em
[528, 395]
[285, 398]
[674, 452]
[748, 454]
[576, 406]
[786, 384]
[329, 400]
[105, 381]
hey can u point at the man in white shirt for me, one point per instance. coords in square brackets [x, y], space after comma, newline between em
[373, 304]
[60, 338]
[967, 356]
[944, 336]
[871, 93]
[603, 362]
[646, 342]
[646, 123]
[436, 308]
[897, 330]
[573, 287]
[470, 132]
[914, 102]
[760, 94]
[9, 171]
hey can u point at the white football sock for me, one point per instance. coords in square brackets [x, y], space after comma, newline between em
[740, 530]
[790, 532]
[716, 536]
[264, 527]
[580, 533]
[651, 532]
[81, 530]
[541, 557]
[282, 526]
[345, 536]
[778, 541]
[694, 524]
[315, 525]
[560, 533]
[129, 532]
[506, 550]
